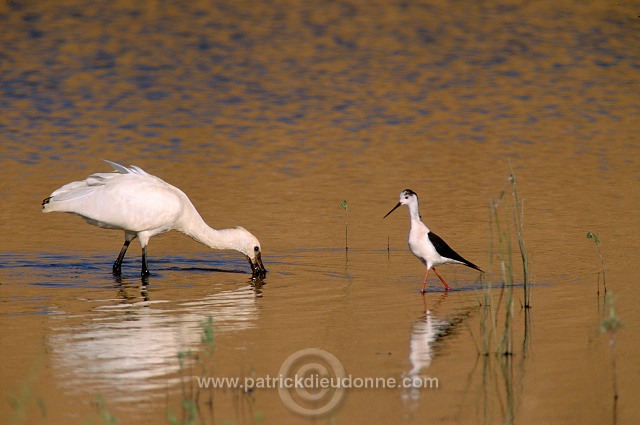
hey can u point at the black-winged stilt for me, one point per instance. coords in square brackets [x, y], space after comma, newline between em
[426, 245]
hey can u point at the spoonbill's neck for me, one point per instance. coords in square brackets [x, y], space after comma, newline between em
[194, 226]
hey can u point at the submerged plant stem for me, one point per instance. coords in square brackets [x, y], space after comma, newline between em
[345, 206]
[596, 240]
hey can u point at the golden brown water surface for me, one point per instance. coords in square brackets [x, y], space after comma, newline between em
[268, 115]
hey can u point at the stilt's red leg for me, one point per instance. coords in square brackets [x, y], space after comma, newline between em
[447, 287]
[424, 283]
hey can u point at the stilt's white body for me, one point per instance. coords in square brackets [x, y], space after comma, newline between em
[419, 242]
[143, 205]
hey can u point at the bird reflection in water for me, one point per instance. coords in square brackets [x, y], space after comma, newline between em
[127, 350]
[130, 292]
[426, 331]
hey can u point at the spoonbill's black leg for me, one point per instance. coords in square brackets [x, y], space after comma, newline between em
[145, 268]
[117, 266]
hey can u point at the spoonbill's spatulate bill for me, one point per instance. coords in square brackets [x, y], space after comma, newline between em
[143, 205]
[426, 245]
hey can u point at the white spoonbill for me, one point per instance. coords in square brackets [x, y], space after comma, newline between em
[144, 205]
[426, 245]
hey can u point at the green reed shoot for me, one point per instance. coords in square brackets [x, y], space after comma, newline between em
[106, 416]
[497, 327]
[489, 318]
[191, 413]
[22, 399]
[506, 266]
[207, 336]
[596, 240]
[610, 325]
[345, 207]
[189, 394]
[505, 259]
[518, 220]
[488, 323]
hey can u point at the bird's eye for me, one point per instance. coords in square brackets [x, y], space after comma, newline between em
[406, 197]
[256, 248]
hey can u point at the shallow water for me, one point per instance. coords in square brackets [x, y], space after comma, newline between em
[268, 115]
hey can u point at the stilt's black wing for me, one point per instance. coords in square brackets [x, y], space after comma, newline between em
[448, 252]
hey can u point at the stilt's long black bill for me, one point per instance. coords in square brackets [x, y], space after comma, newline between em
[392, 210]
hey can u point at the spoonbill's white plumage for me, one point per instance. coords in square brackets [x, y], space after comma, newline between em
[143, 205]
[426, 245]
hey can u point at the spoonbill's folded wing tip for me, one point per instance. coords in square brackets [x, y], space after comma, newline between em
[126, 170]
[119, 168]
